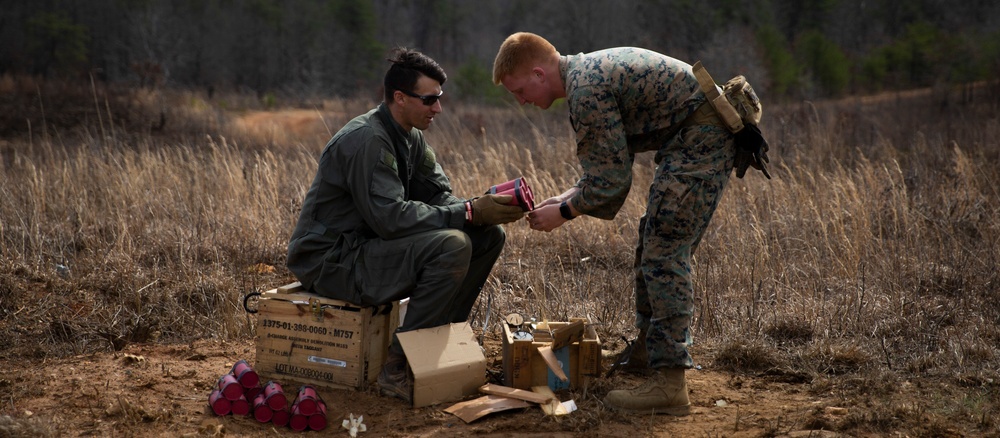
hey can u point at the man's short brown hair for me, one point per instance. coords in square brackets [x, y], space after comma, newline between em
[407, 66]
[519, 49]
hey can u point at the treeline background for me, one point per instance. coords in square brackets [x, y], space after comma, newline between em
[300, 48]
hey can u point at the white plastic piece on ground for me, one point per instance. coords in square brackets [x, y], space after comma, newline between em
[355, 425]
[570, 405]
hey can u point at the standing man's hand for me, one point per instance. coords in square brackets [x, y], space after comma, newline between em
[547, 216]
[551, 214]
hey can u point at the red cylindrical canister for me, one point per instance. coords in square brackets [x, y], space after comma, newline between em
[503, 187]
[307, 400]
[317, 421]
[280, 417]
[524, 195]
[261, 411]
[231, 389]
[520, 192]
[252, 392]
[298, 421]
[219, 404]
[245, 374]
[241, 407]
[275, 396]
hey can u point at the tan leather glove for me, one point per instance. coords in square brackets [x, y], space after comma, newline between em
[493, 210]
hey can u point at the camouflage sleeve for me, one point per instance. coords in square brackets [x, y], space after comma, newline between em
[603, 152]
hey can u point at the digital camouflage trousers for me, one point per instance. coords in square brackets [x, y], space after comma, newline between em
[692, 171]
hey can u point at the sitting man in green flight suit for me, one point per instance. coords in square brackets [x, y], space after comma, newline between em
[380, 223]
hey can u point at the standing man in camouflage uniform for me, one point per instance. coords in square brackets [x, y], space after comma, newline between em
[380, 223]
[621, 102]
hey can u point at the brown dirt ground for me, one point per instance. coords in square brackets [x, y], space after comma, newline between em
[162, 390]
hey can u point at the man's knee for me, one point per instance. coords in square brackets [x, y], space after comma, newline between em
[494, 236]
[453, 240]
[454, 245]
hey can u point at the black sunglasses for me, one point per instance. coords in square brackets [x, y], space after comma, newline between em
[428, 100]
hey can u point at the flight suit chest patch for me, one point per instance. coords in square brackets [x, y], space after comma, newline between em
[389, 160]
[427, 166]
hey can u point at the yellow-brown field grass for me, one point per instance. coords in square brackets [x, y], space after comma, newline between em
[870, 260]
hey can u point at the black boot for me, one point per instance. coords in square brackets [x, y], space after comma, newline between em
[395, 379]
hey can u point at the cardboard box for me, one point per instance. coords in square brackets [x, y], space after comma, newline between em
[447, 363]
[579, 358]
[310, 339]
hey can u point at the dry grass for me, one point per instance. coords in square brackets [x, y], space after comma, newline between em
[870, 258]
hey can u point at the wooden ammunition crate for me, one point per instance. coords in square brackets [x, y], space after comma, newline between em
[310, 339]
[524, 367]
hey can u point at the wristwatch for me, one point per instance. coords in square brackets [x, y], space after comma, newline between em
[565, 211]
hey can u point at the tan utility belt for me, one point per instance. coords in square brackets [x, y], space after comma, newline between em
[704, 115]
[725, 111]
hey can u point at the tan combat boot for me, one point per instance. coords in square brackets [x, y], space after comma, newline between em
[664, 393]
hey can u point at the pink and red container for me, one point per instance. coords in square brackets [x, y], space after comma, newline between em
[281, 417]
[252, 393]
[274, 396]
[245, 374]
[241, 407]
[261, 411]
[307, 400]
[220, 405]
[317, 421]
[519, 190]
[229, 387]
[298, 420]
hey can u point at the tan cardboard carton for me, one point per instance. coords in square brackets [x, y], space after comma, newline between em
[447, 363]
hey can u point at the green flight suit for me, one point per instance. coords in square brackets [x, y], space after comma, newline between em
[379, 224]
